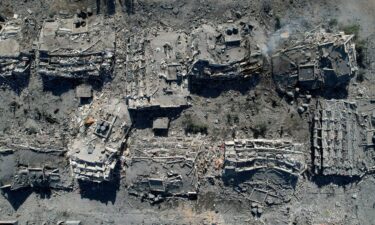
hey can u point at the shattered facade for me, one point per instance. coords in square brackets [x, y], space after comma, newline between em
[75, 48]
[321, 60]
[264, 171]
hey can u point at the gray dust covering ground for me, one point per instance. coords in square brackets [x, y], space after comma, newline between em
[180, 170]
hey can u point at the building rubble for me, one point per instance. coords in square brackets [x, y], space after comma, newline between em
[82, 47]
[161, 65]
[103, 129]
[321, 60]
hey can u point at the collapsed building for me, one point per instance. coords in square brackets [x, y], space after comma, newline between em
[36, 178]
[162, 167]
[321, 60]
[266, 171]
[26, 166]
[94, 153]
[81, 47]
[243, 156]
[343, 139]
[224, 52]
[156, 70]
[160, 64]
[14, 60]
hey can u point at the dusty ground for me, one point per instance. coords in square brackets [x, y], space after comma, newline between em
[250, 109]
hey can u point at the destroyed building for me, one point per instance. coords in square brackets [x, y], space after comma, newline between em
[95, 150]
[156, 70]
[161, 64]
[163, 167]
[25, 166]
[224, 52]
[82, 47]
[36, 178]
[321, 60]
[243, 156]
[266, 171]
[343, 139]
[14, 60]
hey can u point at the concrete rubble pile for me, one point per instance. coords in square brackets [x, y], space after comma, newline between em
[94, 152]
[79, 48]
[321, 60]
[343, 139]
[242, 156]
[14, 61]
[156, 70]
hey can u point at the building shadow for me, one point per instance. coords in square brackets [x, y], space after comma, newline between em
[16, 83]
[143, 119]
[16, 198]
[322, 180]
[210, 88]
[59, 86]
